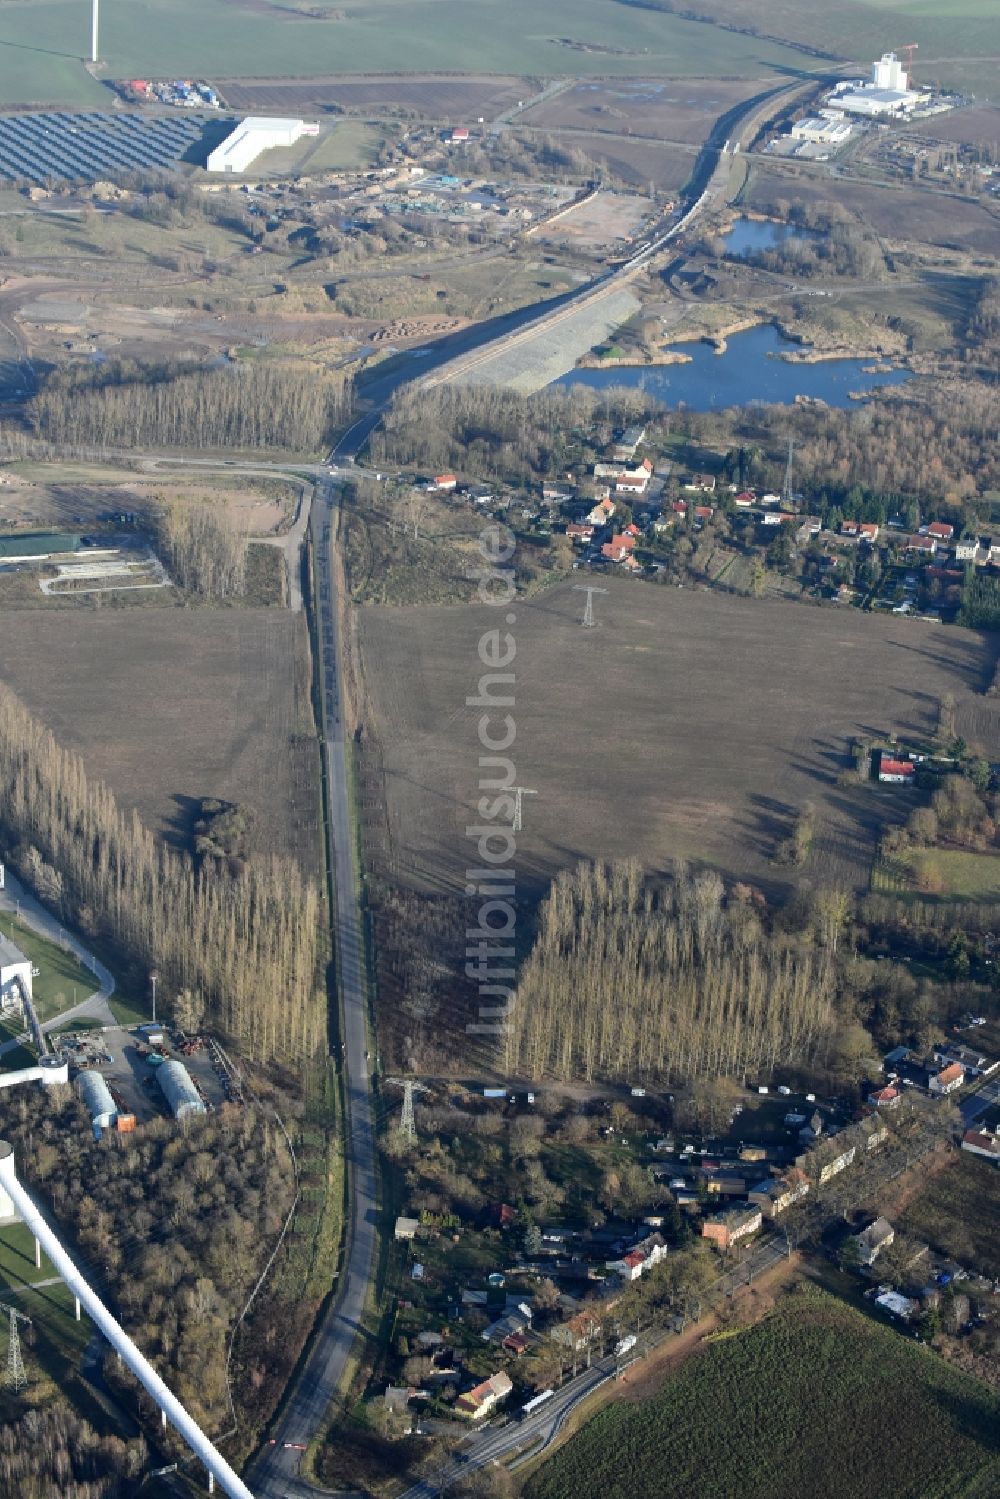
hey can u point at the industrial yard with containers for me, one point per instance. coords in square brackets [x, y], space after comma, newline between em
[125, 1076]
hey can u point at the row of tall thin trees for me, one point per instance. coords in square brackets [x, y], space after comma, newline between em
[245, 943]
[244, 405]
[628, 981]
[205, 553]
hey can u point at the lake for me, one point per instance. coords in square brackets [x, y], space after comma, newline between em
[747, 373]
[749, 236]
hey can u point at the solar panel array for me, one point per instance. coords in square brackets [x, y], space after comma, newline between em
[46, 149]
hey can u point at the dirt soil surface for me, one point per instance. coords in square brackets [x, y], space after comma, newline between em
[169, 706]
[980, 124]
[686, 725]
[920, 215]
[674, 109]
[434, 98]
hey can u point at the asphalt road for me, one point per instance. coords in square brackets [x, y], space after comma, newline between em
[274, 1474]
[979, 1103]
[541, 1428]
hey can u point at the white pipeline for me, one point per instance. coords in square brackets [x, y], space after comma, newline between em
[229, 1481]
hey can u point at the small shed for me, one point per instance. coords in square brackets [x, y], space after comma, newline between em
[406, 1228]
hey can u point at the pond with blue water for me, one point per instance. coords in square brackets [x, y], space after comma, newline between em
[748, 372]
[751, 236]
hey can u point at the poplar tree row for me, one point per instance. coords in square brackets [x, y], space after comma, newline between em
[626, 981]
[203, 552]
[245, 405]
[244, 944]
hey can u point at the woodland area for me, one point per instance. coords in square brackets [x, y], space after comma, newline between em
[252, 405]
[936, 443]
[178, 1225]
[53, 1451]
[242, 947]
[492, 432]
[703, 988]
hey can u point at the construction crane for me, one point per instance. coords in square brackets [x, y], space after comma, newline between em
[909, 50]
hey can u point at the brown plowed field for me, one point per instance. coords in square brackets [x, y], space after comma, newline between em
[981, 124]
[434, 98]
[673, 109]
[923, 215]
[636, 162]
[687, 725]
[168, 706]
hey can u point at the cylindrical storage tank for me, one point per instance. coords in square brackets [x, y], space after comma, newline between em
[54, 1070]
[96, 1095]
[178, 1089]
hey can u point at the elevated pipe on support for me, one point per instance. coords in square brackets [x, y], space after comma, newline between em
[229, 1481]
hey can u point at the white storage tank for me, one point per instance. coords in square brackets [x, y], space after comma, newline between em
[96, 1094]
[178, 1089]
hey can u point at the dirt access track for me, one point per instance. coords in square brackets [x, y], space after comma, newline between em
[686, 725]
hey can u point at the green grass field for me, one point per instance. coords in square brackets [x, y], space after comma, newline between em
[819, 1399]
[17, 1259]
[958, 1213]
[43, 42]
[939, 874]
[61, 982]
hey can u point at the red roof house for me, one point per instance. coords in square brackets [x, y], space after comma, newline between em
[896, 770]
[618, 548]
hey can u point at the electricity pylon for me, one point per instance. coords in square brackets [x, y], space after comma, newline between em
[16, 1377]
[519, 791]
[407, 1126]
[588, 613]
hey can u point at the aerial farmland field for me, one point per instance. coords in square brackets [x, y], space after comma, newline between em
[45, 41]
[687, 725]
[169, 706]
[248, 39]
[799, 1404]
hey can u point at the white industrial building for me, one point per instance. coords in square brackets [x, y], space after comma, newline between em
[15, 975]
[887, 93]
[179, 1090]
[251, 137]
[827, 130]
[889, 73]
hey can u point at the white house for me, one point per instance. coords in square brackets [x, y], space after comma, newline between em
[640, 1259]
[976, 1142]
[477, 1403]
[251, 137]
[947, 1080]
[878, 1236]
[601, 513]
